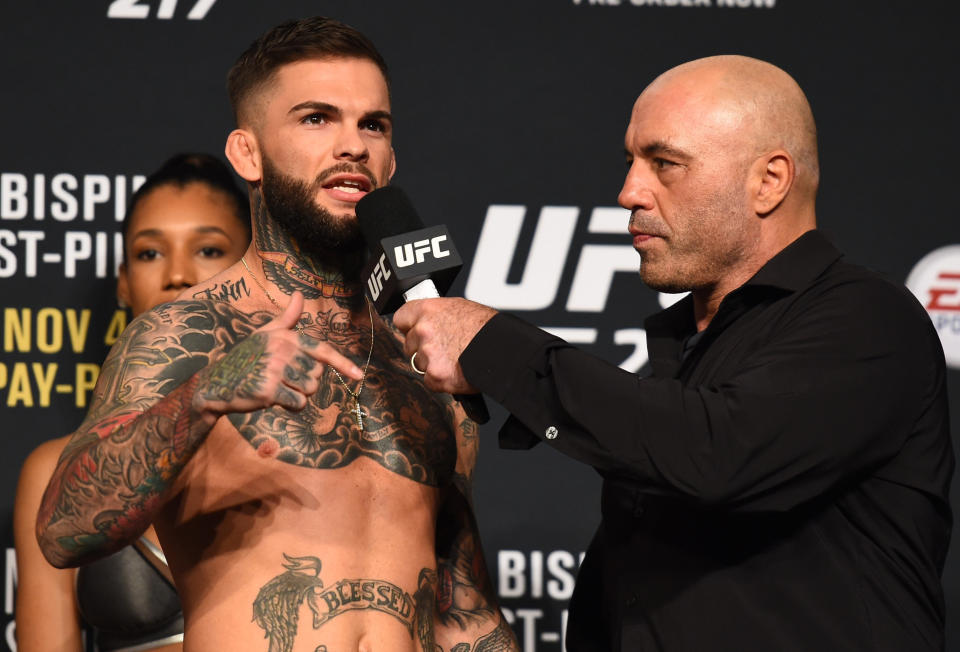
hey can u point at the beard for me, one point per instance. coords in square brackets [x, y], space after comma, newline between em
[331, 240]
[703, 244]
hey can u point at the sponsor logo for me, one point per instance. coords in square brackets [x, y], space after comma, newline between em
[419, 250]
[531, 584]
[381, 273]
[935, 281]
[64, 197]
[546, 263]
[405, 260]
[26, 200]
[165, 9]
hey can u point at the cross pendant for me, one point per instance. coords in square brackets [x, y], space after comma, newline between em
[358, 411]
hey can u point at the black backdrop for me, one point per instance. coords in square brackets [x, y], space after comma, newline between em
[508, 113]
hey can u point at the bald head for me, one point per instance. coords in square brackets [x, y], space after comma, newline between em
[758, 106]
[722, 175]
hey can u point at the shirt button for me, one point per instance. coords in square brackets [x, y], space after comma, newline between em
[551, 433]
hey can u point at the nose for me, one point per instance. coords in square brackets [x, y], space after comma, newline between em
[636, 192]
[180, 272]
[350, 145]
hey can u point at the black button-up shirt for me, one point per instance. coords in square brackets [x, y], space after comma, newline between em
[783, 485]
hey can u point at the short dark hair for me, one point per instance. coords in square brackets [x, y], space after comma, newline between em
[316, 37]
[191, 167]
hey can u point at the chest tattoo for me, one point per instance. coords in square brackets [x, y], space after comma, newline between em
[399, 424]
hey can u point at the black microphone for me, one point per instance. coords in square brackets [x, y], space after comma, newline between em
[408, 261]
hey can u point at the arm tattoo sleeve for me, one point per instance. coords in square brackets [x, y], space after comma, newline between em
[466, 603]
[140, 432]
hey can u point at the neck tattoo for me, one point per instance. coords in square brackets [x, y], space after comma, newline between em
[354, 395]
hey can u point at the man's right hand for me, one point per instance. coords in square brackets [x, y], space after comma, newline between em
[140, 424]
[275, 365]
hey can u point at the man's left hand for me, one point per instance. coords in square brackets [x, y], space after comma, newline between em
[437, 331]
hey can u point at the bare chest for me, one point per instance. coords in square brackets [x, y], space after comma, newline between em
[392, 420]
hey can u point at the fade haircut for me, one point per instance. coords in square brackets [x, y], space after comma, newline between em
[316, 37]
[188, 168]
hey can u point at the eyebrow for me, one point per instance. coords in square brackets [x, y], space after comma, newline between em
[662, 147]
[379, 115]
[316, 106]
[155, 233]
[336, 112]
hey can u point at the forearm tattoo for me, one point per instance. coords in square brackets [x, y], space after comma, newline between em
[141, 431]
[464, 593]
[465, 596]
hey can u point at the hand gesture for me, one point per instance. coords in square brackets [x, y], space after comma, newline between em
[273, 366]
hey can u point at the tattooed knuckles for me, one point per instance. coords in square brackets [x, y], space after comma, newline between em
[271, 367]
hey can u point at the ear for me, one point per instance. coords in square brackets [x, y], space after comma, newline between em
[243, 152]
[393, 163]
[123, 286]
[772, 177]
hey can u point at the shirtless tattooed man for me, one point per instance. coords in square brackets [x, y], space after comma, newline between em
[309, 492]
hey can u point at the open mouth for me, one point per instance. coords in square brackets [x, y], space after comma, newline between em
[352, 185]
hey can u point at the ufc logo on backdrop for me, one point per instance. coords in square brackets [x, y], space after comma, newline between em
[166, 9]
[408, 254]
[546, 259]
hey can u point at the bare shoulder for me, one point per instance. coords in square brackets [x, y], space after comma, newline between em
[35, 473]
[164, 347]
[44, 458]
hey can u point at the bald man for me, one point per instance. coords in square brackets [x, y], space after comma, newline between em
[780, 480]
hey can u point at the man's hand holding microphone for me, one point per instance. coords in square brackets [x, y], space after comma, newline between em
[413, 264]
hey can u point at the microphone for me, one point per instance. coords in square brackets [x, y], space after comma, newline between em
[408, 261]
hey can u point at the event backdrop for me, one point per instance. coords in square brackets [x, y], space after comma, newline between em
[509, 128]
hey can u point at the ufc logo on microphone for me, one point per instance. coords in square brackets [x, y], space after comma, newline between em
[409, 254]
[380, 273]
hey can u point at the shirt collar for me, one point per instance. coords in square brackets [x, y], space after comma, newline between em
[798, 263]
[792, 269]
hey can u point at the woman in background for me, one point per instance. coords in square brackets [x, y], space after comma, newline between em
[186, 223]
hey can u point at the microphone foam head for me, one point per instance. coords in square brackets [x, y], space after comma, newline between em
[386, 212]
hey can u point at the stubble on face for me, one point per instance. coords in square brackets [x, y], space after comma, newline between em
[701, 241]
[330, 239]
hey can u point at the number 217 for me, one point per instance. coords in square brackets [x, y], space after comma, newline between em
[166, 9]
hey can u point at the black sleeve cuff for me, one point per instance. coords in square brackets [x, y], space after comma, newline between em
[501, 351]
[497, 356]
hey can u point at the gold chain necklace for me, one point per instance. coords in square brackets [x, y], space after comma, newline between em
[354, 395]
